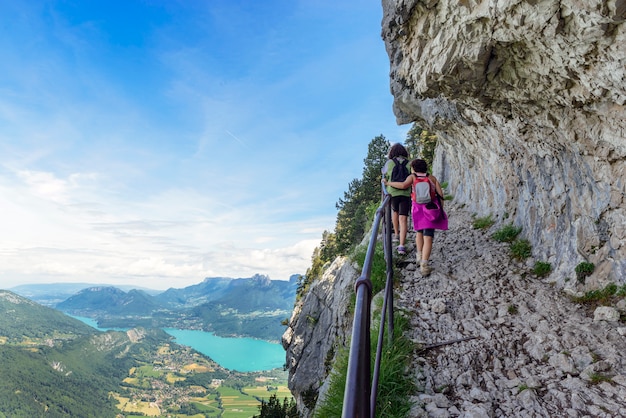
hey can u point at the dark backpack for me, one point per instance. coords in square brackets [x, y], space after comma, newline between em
[400, 171]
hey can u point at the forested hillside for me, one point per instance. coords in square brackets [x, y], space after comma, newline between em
[22, 320]
[50, 363]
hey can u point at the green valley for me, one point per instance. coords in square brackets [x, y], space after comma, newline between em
[56, 366]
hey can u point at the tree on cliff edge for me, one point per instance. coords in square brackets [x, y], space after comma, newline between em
[353, 209]
[421, 143]
[352, 216]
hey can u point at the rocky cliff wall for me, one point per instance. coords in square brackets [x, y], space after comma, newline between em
[320, 324]
[527, 99]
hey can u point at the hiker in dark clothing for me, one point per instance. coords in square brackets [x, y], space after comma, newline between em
[400, 198]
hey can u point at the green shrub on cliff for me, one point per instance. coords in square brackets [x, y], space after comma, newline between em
[583, 270]
[542, 269]
[521, 249]
[507, 233]
[483, 223]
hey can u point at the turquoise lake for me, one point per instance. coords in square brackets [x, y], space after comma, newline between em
[241, 354]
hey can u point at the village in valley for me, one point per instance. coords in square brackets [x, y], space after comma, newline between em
[181, 382]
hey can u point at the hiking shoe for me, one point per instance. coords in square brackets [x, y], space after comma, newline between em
[401, 250]
[425, 269]
[395, 238]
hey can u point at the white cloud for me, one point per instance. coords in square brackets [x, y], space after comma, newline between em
[62, 229]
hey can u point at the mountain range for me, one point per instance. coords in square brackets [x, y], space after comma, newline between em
[49, 294]
[252, 307]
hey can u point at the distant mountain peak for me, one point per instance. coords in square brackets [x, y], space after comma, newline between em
[14, 298]
[262, 279]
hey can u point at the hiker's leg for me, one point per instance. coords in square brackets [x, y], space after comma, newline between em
[404, 223]
[395, 221]
[395, 207]
[429, 235]
[419, 240]
[427, 248]
[404, 208]
[419, 243]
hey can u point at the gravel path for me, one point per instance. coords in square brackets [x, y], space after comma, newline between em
[532, 352]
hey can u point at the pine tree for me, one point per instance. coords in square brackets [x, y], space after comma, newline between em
[421, 143]
[352, 220]
[274, 409]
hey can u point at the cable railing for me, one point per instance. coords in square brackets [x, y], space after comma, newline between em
[361, 387]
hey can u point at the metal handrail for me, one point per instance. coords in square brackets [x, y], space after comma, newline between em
[360, 395]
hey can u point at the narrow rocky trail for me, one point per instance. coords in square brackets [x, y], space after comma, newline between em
[534, 352]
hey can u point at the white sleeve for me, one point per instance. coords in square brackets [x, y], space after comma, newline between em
[386, 167]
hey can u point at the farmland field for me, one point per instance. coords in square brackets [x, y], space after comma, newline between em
[236, 404]
[262, 392]
[147, 408]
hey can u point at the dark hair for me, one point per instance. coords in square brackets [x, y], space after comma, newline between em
[397, 150]
[419, 166]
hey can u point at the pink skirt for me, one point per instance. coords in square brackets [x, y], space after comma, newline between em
[429, 216]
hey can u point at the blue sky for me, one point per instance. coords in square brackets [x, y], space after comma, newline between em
[157, 143]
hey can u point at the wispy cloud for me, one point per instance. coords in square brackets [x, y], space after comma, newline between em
[62, 228]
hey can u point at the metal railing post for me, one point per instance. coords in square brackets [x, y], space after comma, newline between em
[387, 305]
[360, 395]
[356, 400]
[389, 284]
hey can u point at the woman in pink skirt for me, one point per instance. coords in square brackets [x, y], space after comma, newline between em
[424, 222]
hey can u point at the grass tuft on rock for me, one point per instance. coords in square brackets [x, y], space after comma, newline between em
[521, 249]
[483, 223]
[507, 233]
[542, 269]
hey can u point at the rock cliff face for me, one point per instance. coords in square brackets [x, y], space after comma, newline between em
[319, 325]
[527, 99]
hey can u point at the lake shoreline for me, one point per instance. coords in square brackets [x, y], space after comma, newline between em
[235, 353]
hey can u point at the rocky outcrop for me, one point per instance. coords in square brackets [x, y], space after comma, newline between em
[528, 101]
[320, 324]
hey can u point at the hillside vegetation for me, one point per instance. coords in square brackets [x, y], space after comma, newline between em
[23, 320]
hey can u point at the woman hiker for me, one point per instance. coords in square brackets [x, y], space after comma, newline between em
[400, 197]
